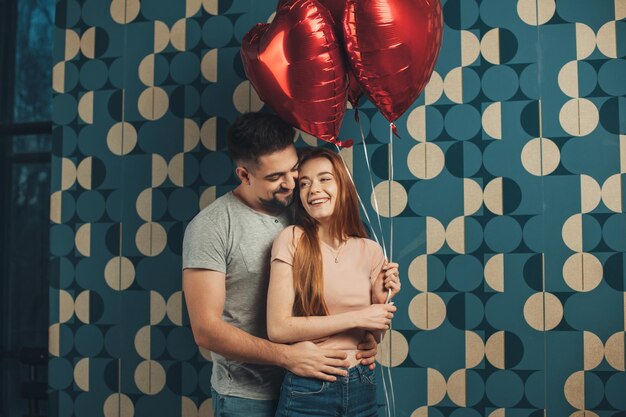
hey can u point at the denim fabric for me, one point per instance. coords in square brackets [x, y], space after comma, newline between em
[350, 396]
[228, 406]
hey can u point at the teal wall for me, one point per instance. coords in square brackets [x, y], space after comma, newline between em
[508, 205]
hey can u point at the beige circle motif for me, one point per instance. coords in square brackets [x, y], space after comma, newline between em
[543, 311]
[572, 232]
[470, 48]
[161, 36]
[494, 199]
[582, 272]
[474, 349]
[191, 135]
[435, 235]
[158, 308]
[536, 12]
[81, 306]
[416, 123]
[208, 66]
[426, 160]
[153, 103]
[206, 408]
[420, 412]
[490, 46]
[178, 34]
[614, 351]
[494, 272]
[207, 197]
[612, 192]
[193, 6]
[583, 413]
[68, 174]
[579, 117]
[66, 306]
[494, 349]
[246, 99]
[455, 234]
[119, 273]
[585, 41]
[83, 172]
[146, 70]
[574, 390]
[472, 196]
[159, 170]
[436, 386]
[124, 11]
[434, 89]
[453, 85]
[568, 79]
[122, 138]
[174, 308]
[142, 342]
[457, 387]
[211, 6]
[188, 407]
[151, 239]
[607, 39]
[118, 405]
[492, 120]
[72, 44]
[593, 350]
[380, 199]
[81, 374]
[399, 346]
[540, 156]
[427, 311]
[54, 335]
[82, 239]
[418, 273]
[590, 193]
[150, 377]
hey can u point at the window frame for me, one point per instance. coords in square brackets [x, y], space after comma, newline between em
[8, 131]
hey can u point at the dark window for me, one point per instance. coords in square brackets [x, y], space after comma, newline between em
[25, 146]
[33, 60]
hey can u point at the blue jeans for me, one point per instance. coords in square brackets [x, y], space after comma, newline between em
[228, 406]
[350, 396]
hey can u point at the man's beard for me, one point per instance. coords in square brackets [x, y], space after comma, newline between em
[276, 203]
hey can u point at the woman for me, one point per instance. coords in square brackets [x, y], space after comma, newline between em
[328, 284]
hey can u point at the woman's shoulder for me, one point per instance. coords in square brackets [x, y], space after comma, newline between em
[369, 245]
[290, 234]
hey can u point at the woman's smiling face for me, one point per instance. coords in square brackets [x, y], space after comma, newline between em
[318, 188]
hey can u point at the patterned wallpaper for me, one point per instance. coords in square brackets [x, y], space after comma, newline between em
[507, 205]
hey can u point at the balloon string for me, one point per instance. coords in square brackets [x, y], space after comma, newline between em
[357, 194]
[376, 209]
[386, 392]
[392, 130]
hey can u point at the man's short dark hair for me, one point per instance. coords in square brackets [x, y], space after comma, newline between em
[257, 134]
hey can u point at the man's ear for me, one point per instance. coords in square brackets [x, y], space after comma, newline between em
[243, 175]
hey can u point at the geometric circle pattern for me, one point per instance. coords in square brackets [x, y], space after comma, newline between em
[507, 205]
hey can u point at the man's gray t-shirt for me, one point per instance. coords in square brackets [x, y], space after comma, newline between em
[230, 237]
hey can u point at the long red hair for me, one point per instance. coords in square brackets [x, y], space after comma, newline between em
[308, 270]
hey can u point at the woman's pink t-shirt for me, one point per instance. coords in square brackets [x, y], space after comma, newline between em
[347, 282]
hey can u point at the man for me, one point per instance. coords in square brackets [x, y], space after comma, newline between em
[226, 273]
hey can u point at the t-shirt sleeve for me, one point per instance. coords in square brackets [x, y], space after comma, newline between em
[204, 245]
[284, 247]
[378, 259]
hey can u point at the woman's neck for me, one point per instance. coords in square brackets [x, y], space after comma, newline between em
[323, 234]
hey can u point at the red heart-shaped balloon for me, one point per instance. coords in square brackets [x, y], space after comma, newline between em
[337, 9]
[296, 66]
[392, 47]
